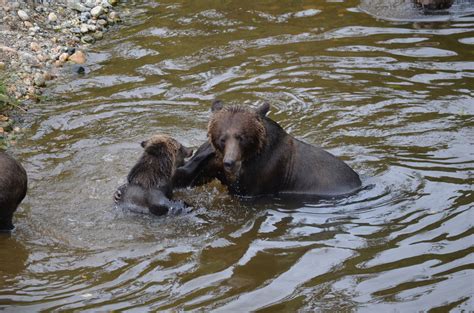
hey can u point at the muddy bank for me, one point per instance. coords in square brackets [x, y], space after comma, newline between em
[41, 41]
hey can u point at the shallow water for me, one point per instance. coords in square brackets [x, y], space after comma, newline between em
[394, 100]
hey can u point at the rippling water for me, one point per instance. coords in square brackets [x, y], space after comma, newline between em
[393, 99]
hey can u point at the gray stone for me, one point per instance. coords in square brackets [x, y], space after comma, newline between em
[77, 5]
[97, 11]
[84, 28]
[90, 3]
[87, 39]
[102, 22]
[39, 80]
[23, 15]
[98, 35]
[85, 16]
[52, 17]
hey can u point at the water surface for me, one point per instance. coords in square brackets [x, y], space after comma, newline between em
[392, 99]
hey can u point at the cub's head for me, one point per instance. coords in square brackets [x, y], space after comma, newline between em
[168, 149]
[237, 133]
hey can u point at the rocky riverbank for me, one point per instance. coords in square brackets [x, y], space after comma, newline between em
[37, 39]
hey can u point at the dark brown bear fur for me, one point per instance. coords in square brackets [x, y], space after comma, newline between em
[150, 181]
[252, 155]
[13, 187]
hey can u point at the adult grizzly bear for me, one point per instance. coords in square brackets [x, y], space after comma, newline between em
[253, 155]
[13, 186]
[150, 186]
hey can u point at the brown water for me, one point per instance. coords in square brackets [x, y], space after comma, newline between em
[393, 99]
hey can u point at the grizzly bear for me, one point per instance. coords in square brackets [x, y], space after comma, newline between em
[13, 186]
[252, 155]
[150, 182]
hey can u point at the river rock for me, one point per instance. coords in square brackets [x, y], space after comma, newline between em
[97, 11]
[84, 28]
[63, 57]
[2, 65]
[85, 16]
[35, 46]
[113, 17]
[113, 2]
[23, 15]
[87, 39]
[98, 35]
[78, 57]
[102, 22]
[28, 24]
[77, 5]
[39, 80]
[52, 17]
[90, 3]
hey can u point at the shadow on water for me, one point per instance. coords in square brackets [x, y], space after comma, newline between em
[392, 99]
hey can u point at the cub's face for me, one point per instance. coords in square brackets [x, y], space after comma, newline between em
[163, 146]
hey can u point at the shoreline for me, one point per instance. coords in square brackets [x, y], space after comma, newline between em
[41, 41]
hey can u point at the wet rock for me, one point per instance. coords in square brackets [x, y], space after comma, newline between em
[2, 65]
[78, 57]
[113, 17]
[70, 50]
[92, 28]
[97, 11]
[87, 39]
[52, 17]
[23, 15]
[78, 69]
[113, 2]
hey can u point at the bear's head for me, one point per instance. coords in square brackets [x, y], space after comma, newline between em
[237, 133]
[169, 151]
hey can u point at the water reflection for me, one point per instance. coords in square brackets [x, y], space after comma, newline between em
[394, 100]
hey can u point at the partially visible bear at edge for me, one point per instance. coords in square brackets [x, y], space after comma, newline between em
[253, 155]
[13, 187]
[149, 185]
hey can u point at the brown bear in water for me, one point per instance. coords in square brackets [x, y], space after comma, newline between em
[13, 186]
[252, 155]
[149, 187]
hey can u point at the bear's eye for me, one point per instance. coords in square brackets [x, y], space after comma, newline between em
[222, 141]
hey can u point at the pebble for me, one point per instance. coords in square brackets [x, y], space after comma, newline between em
[102, 22]
[98, 35]
[39, 80]
[87, 39]
[52, 17]
[35, 46]
[2, 65]
[78, 57]
[97, 11]
[28, 24]
[113, 2]
[63, 57]
[113, 17]
[84, 28]
[85, 16]
[23, 15]
[76, 5]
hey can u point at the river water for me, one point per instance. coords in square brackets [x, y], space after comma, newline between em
[392, 99]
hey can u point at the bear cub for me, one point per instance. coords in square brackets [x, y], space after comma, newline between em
[13, 186]
[149, 186]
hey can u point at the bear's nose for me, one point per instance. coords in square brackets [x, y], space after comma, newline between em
[229, 164]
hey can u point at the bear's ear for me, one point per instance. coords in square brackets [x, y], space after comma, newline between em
[217, 105]
[263, 109]
[157, 149]
[143, 143]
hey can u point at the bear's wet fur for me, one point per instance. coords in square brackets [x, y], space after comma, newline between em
[253, 155]
[150, 182]
[13, 187]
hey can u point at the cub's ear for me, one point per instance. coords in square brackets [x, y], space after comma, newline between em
[217, 105]
[143, 143]
[263, 109]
